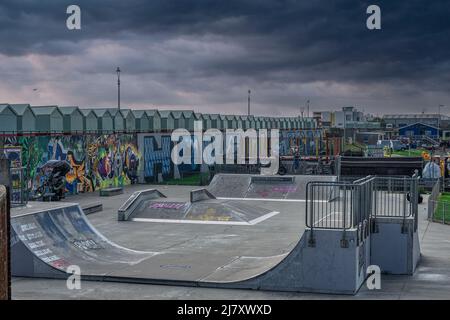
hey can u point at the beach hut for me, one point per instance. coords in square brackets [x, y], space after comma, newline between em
[142, 120]
[189, 119]
[216, 123]
[167, 120]
[129, 120]
[72, 119]
[90, 120]
[118, 119]
[26, 119]
[48, 119]
[179, 121]
[223, 121]
[154, 118]
[105, 120]
[231, 122]
[8, 119]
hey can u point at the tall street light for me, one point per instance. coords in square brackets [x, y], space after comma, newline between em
[248, 106]
[118, 87]
[439, 121]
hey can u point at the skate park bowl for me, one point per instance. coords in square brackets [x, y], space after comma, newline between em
[258, 187]
[339, 239]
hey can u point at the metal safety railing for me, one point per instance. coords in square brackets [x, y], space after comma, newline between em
[19, 191]
[354, 204]
[433, 199]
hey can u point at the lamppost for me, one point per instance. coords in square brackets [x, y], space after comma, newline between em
[118, 87]
[248, 106]
[307, 106]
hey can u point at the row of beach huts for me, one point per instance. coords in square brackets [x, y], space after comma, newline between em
[23, 118]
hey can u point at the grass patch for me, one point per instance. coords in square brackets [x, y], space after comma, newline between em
[409, 153]
[190, 180]
[442, 212]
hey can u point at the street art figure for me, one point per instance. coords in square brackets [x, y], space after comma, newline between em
[53, 182]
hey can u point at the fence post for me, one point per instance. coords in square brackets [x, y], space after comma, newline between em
[310, 207]
[5, 272]
[443, 212]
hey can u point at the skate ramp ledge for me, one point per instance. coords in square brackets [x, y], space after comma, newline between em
[273, 179]
[201, 195]
[127, 209]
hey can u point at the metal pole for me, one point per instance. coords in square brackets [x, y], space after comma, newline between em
[307, 104]
[248, 106]
[118, 87]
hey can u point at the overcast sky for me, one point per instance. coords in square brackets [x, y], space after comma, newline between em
[205, 55]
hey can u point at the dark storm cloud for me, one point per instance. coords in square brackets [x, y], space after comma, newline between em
[210, 51]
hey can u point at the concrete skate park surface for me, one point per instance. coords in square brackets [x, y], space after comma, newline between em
[203, 248]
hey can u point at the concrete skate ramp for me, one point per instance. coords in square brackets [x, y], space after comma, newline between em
[274, 188]
[46, 242]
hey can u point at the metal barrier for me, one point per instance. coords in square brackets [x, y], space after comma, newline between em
[440, 211]
[5, 275]
[19, 191]
[355, 203]
[433, 199]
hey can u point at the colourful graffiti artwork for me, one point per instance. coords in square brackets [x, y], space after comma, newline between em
[113, 161]
[96, 161]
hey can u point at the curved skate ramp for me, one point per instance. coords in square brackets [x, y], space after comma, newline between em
[46, 242]
[272, 188]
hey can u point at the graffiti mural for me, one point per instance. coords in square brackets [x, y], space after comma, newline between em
[157, 151]
[309, 142]
[96, 161]
[113, 160]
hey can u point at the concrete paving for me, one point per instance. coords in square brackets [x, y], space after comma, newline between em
[274, 236]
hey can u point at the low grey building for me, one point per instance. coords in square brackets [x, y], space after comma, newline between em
[142, 120]
[8, 119]
[72, 119]
[48, 119]
[26, 119]
[90, 120]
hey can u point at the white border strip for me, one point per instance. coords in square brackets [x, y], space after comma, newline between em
[268, 199]
[235, 223]
[15, 213]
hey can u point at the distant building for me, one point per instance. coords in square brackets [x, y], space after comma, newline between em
[324, 119]
[349, 117]
[418, 129]
[403, 120]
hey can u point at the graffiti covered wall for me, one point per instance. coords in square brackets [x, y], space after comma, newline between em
[308, 142]
[96, 161]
